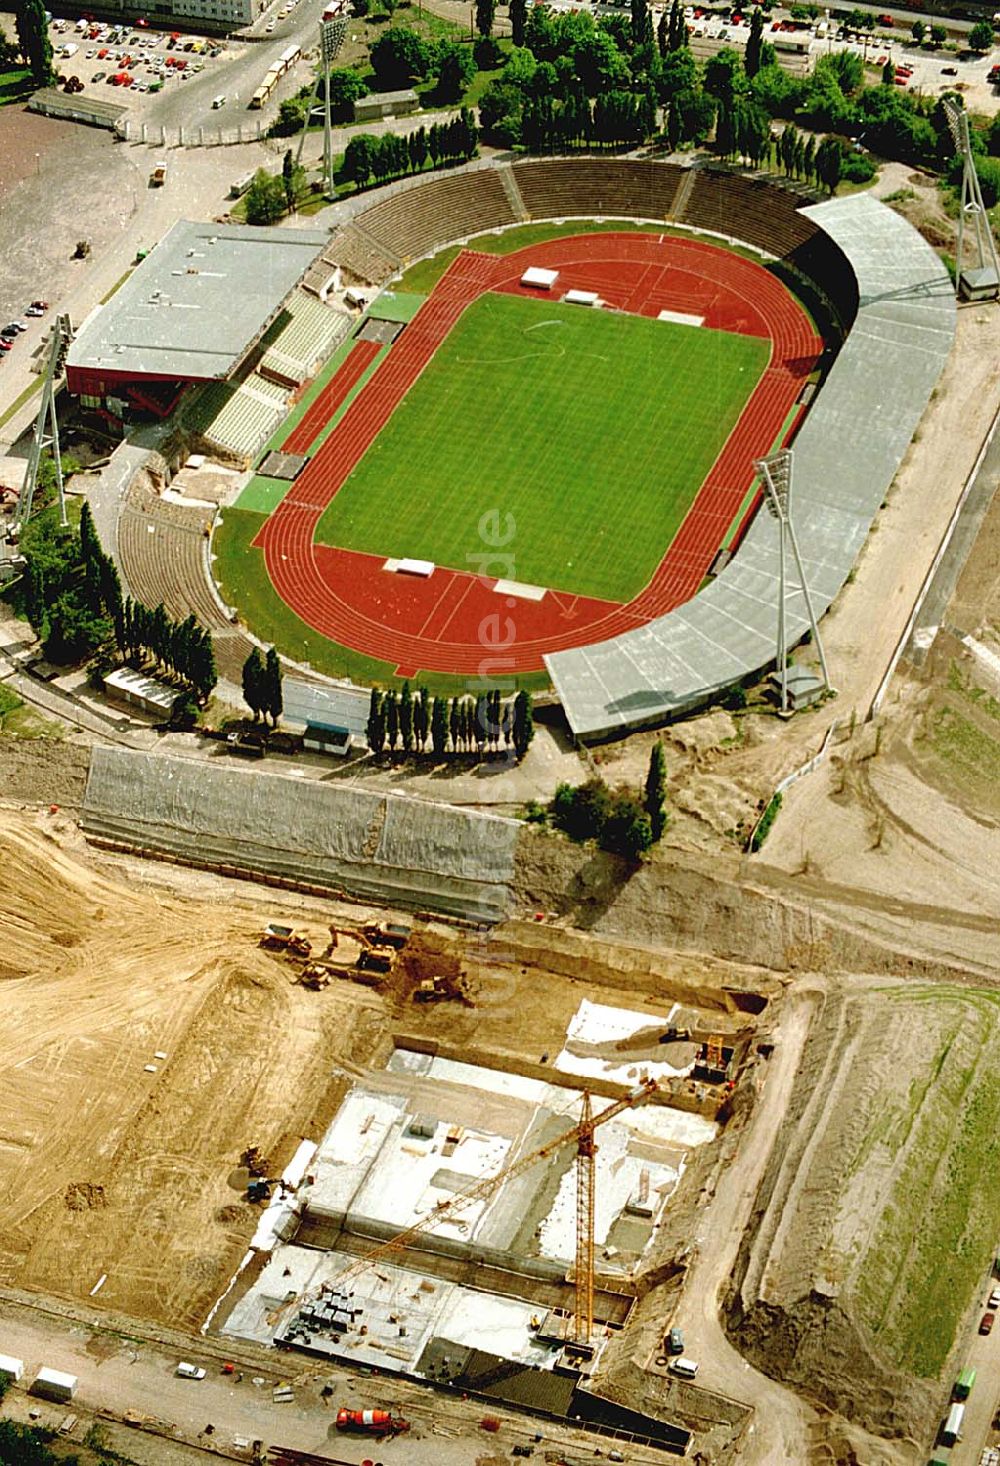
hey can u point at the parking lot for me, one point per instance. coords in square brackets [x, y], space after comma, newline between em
[122, 64]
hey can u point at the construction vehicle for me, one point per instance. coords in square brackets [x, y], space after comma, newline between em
[582, 1135]
[278, 938]
[314, 977]
[442, 989]
[158, 177]
[388, 933]
[357, 952]
[371, 1422]
[82, 250]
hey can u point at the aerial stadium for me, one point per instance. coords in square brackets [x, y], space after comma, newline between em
[506, 423]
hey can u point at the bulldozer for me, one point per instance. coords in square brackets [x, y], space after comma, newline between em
[442, 989]
[314, 977]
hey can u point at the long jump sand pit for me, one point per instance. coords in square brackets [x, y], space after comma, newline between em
[114, 1161]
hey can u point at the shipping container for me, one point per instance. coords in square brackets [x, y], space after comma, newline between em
[964, 1383]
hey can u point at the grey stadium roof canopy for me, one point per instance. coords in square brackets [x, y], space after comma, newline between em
[197, 302]
[846, 454]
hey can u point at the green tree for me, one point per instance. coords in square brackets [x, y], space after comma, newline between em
[829, 161]
[656, 790]
[581, 813]
[33, 40]
[640, 22]
[406, 718]
[518, 15]
[981, 36]
[274, 704]
[627, 828]
[755, 40]
[265, 198]
[8, 52]
[724, 75]
[399, 57]
[439, 726]
[888, 73]
[456, 68]
[485, 15]
[346, 86]
[291, 117]
[288, 179]
[939, 34]
[253, 683]
[918, 30]
[678, 32]
[524, 723]
[375, 728]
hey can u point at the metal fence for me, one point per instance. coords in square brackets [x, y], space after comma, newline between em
[155, 135]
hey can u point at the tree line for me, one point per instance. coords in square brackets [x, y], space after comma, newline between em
[367, 157]
[182, 647]
[408, 722]
[73, 598]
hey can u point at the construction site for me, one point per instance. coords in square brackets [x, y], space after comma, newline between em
[468, 1158]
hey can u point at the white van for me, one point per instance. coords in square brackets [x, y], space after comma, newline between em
[189, 1371]
[683, 1368]
[218, 102]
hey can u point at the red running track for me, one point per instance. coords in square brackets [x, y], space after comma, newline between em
[457, 622]
[337, 390]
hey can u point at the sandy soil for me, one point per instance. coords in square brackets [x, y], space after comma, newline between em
[109, 1168]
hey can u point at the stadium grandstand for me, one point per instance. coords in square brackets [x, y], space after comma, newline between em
[211, 303]
[888, 315]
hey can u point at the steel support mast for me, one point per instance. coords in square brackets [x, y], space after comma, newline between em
[46, 434]
[776, 477]
[983, 280]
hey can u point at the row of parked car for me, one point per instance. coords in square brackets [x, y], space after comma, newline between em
[13, 329]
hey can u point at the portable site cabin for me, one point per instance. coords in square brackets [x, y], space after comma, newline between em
[952, 1428]
[52, 1384]
[11, 1369]
[963, 1385]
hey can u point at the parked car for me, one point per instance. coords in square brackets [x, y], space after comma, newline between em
[994, 1299]
[5, 345]
[189, 1371]
[16, 327]
[675, 1342]
[949, 71]
[986, 1323]
[41, 305]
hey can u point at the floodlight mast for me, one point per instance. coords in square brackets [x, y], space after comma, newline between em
[46, 434]
[332, 31]
[972, 206]
[776, 476]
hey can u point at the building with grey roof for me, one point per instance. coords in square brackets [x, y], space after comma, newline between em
[193, 310]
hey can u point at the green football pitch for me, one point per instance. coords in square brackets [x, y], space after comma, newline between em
[592, 430]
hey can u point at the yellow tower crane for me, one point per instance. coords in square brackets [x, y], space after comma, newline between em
[586, 1192]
